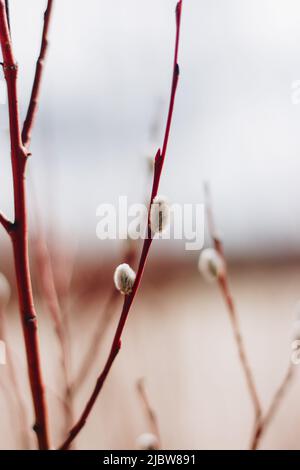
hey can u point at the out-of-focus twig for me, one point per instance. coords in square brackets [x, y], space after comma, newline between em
[12, 374]
[104, 321]
[91, 354]
[150, 413]
[16, 391]
[264, 422]
[47, 285]
[225, 289]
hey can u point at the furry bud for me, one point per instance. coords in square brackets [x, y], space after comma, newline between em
[211, 265]
[124, 278]
[159, 215]
[147, 441]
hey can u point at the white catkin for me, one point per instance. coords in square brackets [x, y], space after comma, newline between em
[124, 278]
[147, 441]
[4, 290]
[210, 264]
[159, 214]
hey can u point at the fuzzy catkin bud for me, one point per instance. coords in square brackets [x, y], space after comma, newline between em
[147, 441]
[159, 214]
[211, 265]
[124, 278]
[4, 290]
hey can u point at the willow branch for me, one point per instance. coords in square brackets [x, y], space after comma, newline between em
[35, 92]
[265, 421]
[225, 289]
[19, 237]
[116, 344]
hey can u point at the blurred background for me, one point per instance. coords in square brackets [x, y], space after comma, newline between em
[236, 124]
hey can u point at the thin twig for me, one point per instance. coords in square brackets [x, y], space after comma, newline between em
[225, 289]
[150, 413]
[116, 344]
[50, 295]
[35, 92]
[21, 406]
[264, 423]
[104, 321]
[19, 237]
[91, 354]
[48, 288]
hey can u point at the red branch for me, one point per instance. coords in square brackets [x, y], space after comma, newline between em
[35, 92]
[116, 344]
[18, 233]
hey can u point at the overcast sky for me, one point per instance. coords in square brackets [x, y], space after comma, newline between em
[108, 74]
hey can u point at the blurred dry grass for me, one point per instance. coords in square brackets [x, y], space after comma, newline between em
[179, 338]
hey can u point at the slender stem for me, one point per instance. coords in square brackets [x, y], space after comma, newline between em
[16, 391]
[91, 354]
[19, 238]
[263, 424]
[95, 342]
[150, 413]
[35, 92]
[46, 278]
[225, 289]
[116, 344]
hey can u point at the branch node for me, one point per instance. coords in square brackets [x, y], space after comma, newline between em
[36, 428]
[6, 224]
[9, 66]
[30, 318]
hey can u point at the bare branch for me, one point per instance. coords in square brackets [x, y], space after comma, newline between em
[35, 92]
